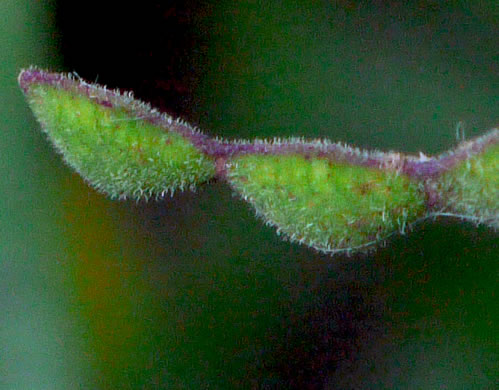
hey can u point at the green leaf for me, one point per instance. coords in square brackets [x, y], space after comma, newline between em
[118, 153]
[328, 196]
[327, 205]
[471, 189]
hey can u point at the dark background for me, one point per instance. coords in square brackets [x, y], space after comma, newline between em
[194, 291]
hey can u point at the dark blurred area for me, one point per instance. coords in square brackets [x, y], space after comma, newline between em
[380, 74]
[145, 47]
[230, 305]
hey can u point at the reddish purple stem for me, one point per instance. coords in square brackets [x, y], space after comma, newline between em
[418, 167]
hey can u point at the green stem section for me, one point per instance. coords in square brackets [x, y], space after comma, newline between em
[328, 196]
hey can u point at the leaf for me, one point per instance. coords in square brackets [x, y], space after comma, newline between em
[326, 195]
[330, 206]
[469, 188]
[119, 145]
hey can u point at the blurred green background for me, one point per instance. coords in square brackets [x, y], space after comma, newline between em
[194, 291]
